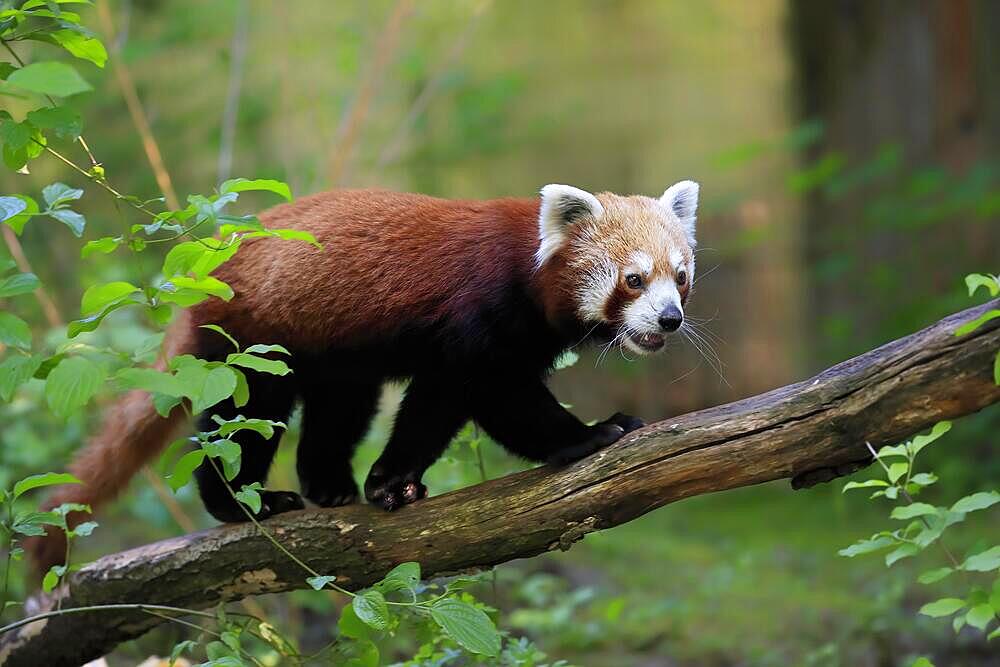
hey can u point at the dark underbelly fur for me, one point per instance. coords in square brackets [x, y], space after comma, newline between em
[490, 368]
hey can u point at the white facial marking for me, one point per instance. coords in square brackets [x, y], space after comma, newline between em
[676, 259]
[560, 205]
[643, 315]
[643, 262]
[596, 287]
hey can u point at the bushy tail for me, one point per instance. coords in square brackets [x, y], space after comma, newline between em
[133, 433]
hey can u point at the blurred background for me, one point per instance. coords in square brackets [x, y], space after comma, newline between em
[848, 158]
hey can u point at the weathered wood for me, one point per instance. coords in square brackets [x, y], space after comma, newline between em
[811, 431]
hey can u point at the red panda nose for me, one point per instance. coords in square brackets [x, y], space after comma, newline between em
[671, 318]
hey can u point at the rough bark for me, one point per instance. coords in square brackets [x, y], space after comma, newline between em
[810, 432]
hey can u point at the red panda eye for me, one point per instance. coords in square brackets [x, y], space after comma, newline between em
[633, 280]
[682, 277]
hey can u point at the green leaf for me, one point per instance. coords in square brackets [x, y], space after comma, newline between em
[20, 283]
[942, 607]
[71, 219]
[224, 449]
[164, 404]
[98, 297]
[976, 280]
[924, 479]
[91, 322]
[319, 583]
[15, 371]
[865, 485]
[51, 579]
[922, 662]
[263, 426]
[897, 470]
[11, 207]
[85, 529]
[292, 235]
[17, 222]
[262, 184]
[272, 366]
[893, 450]
[209, 387]
[996, 369]
[151, 380]
[976, 501]
[14, 331]
[187, 645]
[899, 553]
[42, 480]
[933, 576]
[59, 194]
[187, 292]
[14, 135]
[63, 121]
[921, 441]
[184, 469]
[250, 496]
[985, 561]
[371, 609]
[105, 245]
[876, 543]
[198, 257]
[350, 625]
[241, 395]
[912, 511]
[264, 349]
[82, 46]
[364, 653]
[49, 78]
[405, 576]
[980, 616]
[72, 384]
[969, 327]
[222, 332]
[470, 627]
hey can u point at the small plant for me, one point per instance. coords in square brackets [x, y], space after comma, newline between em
[978, 603]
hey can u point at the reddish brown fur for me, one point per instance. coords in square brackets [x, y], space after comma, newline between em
[387, 259]
[394, 257]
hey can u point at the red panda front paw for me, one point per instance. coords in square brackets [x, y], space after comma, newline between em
[599, 436]
[393, 491]
[278, 502]
[627, 422]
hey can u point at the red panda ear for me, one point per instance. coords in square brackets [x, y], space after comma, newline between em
[682, 200]
[562, 205]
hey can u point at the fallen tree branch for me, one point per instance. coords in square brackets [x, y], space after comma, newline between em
[811, 431]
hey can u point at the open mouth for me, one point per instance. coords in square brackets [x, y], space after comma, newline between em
[650, 342]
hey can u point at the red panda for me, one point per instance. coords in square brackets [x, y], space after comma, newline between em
[472, 301]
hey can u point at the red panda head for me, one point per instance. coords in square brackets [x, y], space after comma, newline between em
[627, 262]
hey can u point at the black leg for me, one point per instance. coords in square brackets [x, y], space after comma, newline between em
[334, 419]
[271, 398]
[432, 411]
[522, 415]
